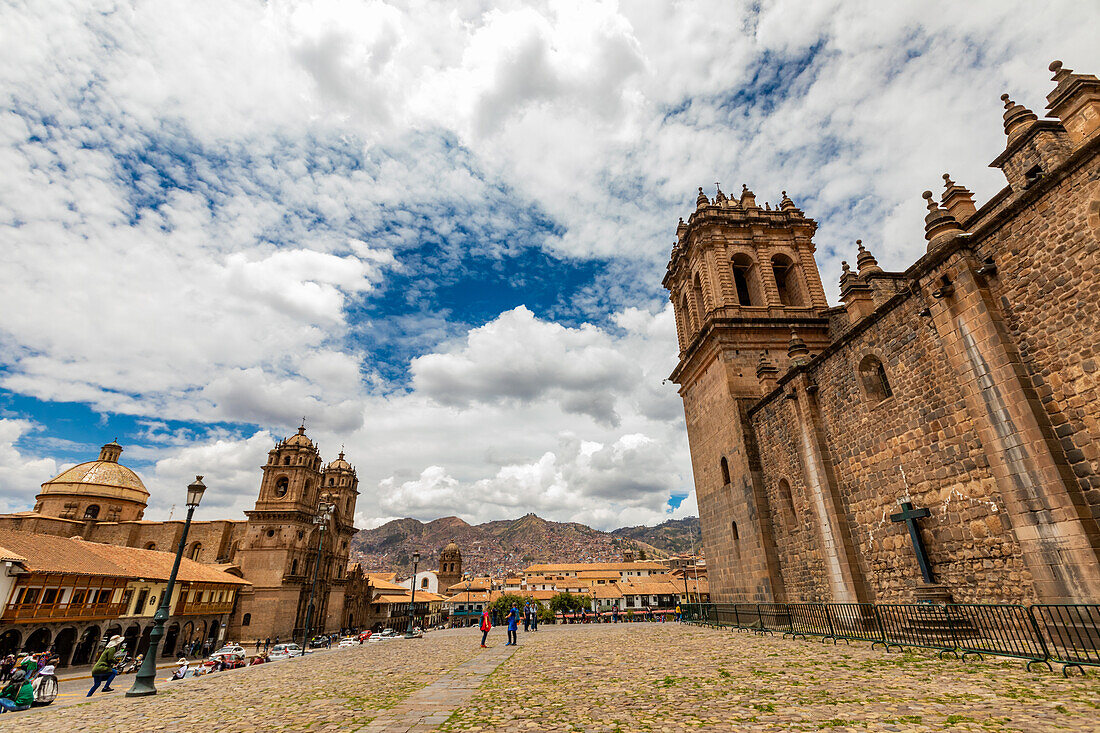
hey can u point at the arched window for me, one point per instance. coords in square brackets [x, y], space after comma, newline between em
[424, 583]
[294, 567]
[281, 486]
[286, 460]
[786, 499]
[689, 320]
[92, 511]
[725, 472]
[742, 279]
[246, 620]
[196, 551]
[872, 375]
[331, 481]
[150, 545]
[736, 541]
[787, 285]
[700, 302]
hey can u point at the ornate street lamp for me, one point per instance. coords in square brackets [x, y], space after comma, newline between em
[412, 601]
[324, 514]
[144, 683]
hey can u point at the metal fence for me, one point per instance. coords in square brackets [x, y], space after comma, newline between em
[1040, 634]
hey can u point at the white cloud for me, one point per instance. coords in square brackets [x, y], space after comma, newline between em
[20, 475]
[197, 194]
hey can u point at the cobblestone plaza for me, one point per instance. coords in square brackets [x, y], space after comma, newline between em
[646, 677]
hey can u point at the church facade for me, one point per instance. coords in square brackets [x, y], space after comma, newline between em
[275, 549]
[937, 435]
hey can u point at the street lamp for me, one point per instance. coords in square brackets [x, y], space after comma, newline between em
[412, 601]
[144, 683]
[324, 514]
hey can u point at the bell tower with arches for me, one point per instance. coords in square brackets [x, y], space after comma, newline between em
[744, 286]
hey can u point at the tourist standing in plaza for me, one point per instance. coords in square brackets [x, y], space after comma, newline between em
[104, 670]
[513, 625]
[526, 617]
[486, 626]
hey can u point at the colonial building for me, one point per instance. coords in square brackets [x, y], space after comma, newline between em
[67, 594]
[275, 548]
[937, 435]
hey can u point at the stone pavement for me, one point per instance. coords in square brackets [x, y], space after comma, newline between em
[666, 677]
[625, 677]
[428, 708]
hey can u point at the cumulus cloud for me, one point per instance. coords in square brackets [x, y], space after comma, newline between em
[199, 197]
[20, 474]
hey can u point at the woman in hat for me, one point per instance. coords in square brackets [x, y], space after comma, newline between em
[181, 671]
[104, 670]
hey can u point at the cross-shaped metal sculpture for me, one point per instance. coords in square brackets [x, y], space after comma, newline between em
[909, 515]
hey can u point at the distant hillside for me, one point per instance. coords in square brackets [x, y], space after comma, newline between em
[506, 546]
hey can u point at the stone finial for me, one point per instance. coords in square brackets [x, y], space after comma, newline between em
[701, 200]
[865, 261]
[681, 228]
[767, 373]
[720, 198]
[748, 198]
[785, 203]
[958, 200]
[797, 351]
[846, 273]
[939, 225]
[1075, 100]
[1060, 72]
[1017, 118]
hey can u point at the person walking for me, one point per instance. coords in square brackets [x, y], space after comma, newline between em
[486, 626]
[267, 644]
[257, 646]
[526, 617]
[104, 669]
[534, 617]
[513, 626]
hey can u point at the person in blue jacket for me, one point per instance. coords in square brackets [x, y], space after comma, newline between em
[513, 625]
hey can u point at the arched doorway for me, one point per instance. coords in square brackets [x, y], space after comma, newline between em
[64, 644]
[39, 641]
[131, 638]
[212, 636]
[168, 644]
[143, 642]
[10, 642]
[186, 635]
[88, 640]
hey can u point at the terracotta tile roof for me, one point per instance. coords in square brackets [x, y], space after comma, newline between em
[428, 597]
[7, 555]
[391, 598]
[607, 591]
[598, 574]
[384, 581]
[650, 588]
[582, 566]
[62, 555]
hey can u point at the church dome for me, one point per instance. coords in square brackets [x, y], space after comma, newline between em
[451, 550]
[104, 480]
[340, 464]
[299, 439]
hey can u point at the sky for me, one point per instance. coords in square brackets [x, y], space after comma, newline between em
[437, 231]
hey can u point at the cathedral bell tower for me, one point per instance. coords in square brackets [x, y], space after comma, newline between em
[742, 278]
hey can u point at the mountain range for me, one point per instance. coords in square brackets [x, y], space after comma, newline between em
[504, 547]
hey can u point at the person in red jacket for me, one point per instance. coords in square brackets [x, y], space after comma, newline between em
[486, 625]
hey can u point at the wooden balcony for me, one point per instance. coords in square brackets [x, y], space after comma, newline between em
[28, 612]
[184, 608]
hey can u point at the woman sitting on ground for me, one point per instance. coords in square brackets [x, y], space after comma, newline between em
[18, 694]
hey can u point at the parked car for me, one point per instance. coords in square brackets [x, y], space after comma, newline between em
[284, 651]
[348, 641]
[365, 635]
[231, 649]
[318, 642]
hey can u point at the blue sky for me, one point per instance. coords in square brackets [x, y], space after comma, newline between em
[438, 231]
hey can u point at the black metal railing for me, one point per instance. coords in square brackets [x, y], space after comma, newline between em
[1064, 634]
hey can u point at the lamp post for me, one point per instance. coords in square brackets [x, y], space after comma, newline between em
[324, 514]
[412, 601]
[145, 682]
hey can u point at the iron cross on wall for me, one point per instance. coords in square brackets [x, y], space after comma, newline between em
[909, 515]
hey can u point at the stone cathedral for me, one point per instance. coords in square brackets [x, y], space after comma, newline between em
[936, 436]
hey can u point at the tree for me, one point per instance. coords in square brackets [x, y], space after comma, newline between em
[565, 602]
[641, 553]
